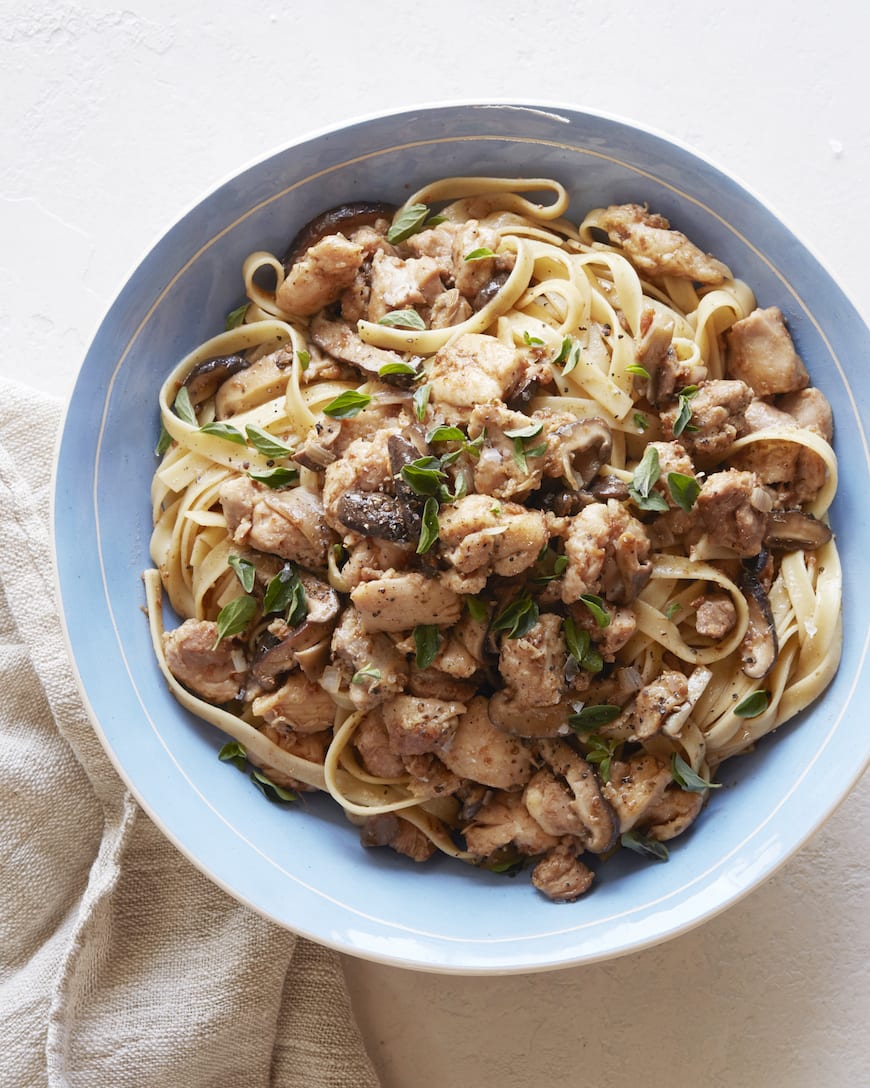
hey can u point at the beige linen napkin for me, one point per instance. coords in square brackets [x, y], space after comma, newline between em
[120, 964]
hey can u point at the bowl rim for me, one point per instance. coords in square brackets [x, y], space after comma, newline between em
[537, 106]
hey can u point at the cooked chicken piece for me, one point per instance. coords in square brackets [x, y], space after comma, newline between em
[364, 466]
[432, 683]
[378, 669]
[417, 725]
[565, 798]
[215, 671]
[480, 752]
[561, 876]
[609, 640]
[400, 600]
[533, 666]
[288, 522]
[760, 352]
[672, 814]
[809, 408]
[794, 472]
[608, 554]
[399, 285]
[717, 420]
[372, 743]
[299, 704]
[715, 615]
[651, 708]
[734, 508]
[371, 558]
[473, 369]
[653, 248]
[430, 778]
[321, 275]
[470, 276]
[481, 535]
[387, 829]
[448, 244]
[503, 820]
[502, 469]
[342, 343]
[634, 787]
[449, 309]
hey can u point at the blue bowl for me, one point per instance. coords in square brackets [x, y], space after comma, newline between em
[303, 866]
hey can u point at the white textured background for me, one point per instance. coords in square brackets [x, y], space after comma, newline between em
[115, 119]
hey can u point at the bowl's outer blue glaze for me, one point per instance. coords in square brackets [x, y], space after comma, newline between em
[303, 866]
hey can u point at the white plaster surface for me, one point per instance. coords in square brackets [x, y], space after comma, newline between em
[116, 118]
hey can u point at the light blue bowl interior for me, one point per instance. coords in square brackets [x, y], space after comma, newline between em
[303, 866]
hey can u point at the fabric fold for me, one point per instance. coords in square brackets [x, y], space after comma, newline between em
[120, 963]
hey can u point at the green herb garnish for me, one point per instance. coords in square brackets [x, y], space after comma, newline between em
[427, 640]
[424, 475]
[421, 400]
[644, 845]
[367, 672]
[183, 407]
[643, 480]
[285, 593]
[245, 571]
[408, 221]
[403, 319]
[347, 405]
[590, 717]
[275, 478]
[271, 790]
[233, 752]
[396, 368]
[687, 779]
[234, 617]
[684, 490]
[753, 705]
[597, 607]
[224, 430]
[267, 444]
[480, 254]
[517, 619]
[477, 609]
[236, 317]
[430, 528]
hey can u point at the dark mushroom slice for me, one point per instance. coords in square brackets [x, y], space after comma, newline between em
[373, 513]
[603, 488]
[281, 648]
[760, 646]
[207, 377]
[600, 825]
[340, 342]
[793, 530]
[402, 452]
[344, 218]
[489, 290]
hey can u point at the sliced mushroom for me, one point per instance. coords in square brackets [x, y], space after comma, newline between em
[402, 453]
[373, 513]
[792, 530]
[489, 290]
[608, 487]
[281, 648]
[578, 450]
[521, 720]
[760, 646]
[344, 218]
[341, 342]
[207, 377]
[594, 821]
[316, 452]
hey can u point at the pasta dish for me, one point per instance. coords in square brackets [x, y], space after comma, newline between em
[503, 531]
